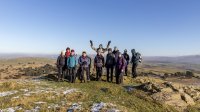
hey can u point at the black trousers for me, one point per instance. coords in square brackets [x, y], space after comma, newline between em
[126, 70]
[134, 70]
[60, 73]
[83, 77]
[119, 76]
[90, 68]
[99, 73]
[110, 73]
[72, 74]
[66, 71]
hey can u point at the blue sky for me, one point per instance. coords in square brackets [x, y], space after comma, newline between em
[152, 27]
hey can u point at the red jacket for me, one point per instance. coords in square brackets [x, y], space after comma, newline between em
[67, 54]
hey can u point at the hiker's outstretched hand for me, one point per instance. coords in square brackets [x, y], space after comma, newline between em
[91, 43]
[109, 42]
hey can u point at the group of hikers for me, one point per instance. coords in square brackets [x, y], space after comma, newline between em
[115, 62]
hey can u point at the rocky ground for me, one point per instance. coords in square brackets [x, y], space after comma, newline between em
[33, 88]
[177, 95]
[141, 94]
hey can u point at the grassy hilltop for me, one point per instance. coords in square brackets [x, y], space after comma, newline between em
[147, 93]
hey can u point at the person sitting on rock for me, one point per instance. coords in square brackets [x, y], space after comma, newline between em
[120, 67]
[72, 62]
[84, 62]
[60, 65]
[99, 64]
[135, 60]
[110, 64]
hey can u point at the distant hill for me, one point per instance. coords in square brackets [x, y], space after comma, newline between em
[192, 59]
[19, 55]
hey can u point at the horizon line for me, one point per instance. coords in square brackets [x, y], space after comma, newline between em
[48, 54]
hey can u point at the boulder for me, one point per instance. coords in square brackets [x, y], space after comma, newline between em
[97, 107]
[195, 94]
[170, 98]
[188, 99]
[151, 87]
[173, 94]
[175, 87]
[168, 90]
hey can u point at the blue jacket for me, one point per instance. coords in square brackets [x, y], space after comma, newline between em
[71, 61]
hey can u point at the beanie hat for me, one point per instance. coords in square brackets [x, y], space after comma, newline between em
[125, 50]
[62, 52]
[72, 50]
[68, 48]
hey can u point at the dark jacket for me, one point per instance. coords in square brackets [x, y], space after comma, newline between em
[127, 58]
[90, 60]
[99, 61]
[84, 61]
[110, 60]
[60, 61]
[136, 58]
[121, 63]
[116, 53]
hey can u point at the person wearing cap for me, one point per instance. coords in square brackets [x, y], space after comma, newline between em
[110, 63]
[72, 62]
[120, 67]
[84, 63]
[60, 65]
[99, 64]
[127, 58]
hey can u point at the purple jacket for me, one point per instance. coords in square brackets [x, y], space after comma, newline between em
[121, 63]
[84, 61]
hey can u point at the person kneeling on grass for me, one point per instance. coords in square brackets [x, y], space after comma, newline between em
[71, 62]
[61, 65]
[120, 67]
[84, 62]
[99, 64]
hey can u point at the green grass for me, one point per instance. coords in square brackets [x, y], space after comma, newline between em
[136, 101]
[90, 93]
